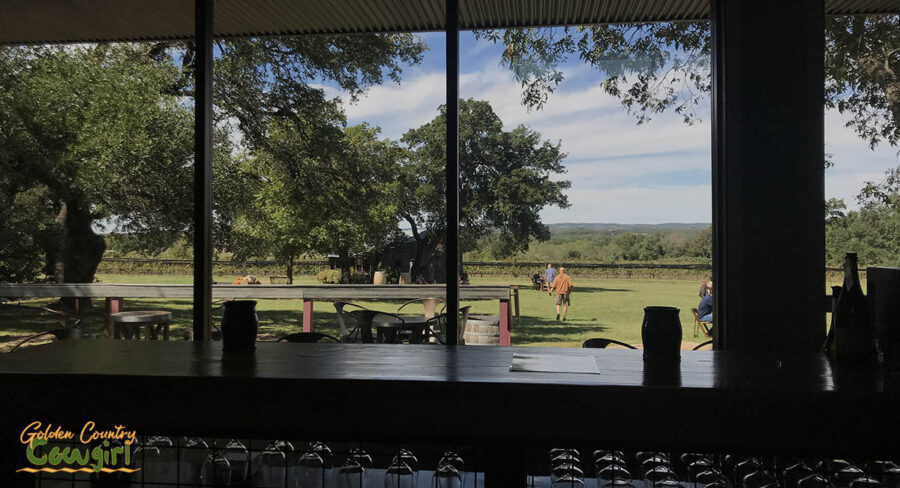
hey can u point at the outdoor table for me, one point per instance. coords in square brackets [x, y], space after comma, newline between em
[389, 327]
[128, 324]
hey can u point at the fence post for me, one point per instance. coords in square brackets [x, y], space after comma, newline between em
[307, 315]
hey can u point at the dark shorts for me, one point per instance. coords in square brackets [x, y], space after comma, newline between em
[562, 299]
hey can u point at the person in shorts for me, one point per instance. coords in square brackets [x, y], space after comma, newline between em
[563, 286]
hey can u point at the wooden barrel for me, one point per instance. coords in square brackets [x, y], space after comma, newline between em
[380, 278]
[482, 330]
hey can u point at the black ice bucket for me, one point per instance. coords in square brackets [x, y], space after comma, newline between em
[239, 325]
[661, 333]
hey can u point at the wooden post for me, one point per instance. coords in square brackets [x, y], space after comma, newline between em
[203, 129]
[768, 175]
[307, 315]
[113, 305]
[516, 302]
[505, 339]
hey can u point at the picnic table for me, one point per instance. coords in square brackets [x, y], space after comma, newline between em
[115, 295]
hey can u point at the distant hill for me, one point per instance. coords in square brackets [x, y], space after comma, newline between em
[616, 228]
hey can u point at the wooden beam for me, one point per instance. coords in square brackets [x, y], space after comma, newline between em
[203, 132]
[308, 292]
[768, 175]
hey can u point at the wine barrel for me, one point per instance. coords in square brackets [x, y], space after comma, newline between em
[482, 330]
[380, 278]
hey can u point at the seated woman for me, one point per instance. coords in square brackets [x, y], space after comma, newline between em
[537, 280]
[705, 309]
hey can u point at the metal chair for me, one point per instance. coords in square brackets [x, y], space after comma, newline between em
[435, 326]
[601, 343]
[308, 338]
[347, 336]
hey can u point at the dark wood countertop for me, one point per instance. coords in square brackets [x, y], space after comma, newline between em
[708, 401]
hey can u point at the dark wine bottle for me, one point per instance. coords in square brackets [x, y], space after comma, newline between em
[829, 339]
[854, 330]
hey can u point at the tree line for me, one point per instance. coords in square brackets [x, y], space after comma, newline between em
[97, 141]
[98, 138]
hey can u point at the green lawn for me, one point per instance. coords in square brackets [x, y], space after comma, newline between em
[610, 308]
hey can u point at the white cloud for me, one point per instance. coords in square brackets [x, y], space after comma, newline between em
[854, 162]
[632, 204]
[611, 160]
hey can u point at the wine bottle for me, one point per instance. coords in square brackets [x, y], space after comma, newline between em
[829, 339]
[854, 331]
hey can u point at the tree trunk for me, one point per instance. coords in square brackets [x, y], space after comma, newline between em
[416, 269]
[289, 270]
[81, 248]
[344, 264]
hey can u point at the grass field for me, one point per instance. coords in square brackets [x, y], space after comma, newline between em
[611, 308]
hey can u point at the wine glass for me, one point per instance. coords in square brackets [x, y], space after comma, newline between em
[698, 466]
[310, 471]
[890, 478]
[654, 461]
[814, 481]
[865, 482]
[323, 451]
[757, 479]
[660, 473]
[447, 476]
[352, 474]
[617, 483]
[796, 472]
[271, 469]
[193, 454]
[710, 476]
[452, 458]
[613, 472]
[567, 481]
[239, 459]
[566, 469]
[216, 470]
[399, 475]
[846, 475]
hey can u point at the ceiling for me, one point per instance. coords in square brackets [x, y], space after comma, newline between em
[53, 21]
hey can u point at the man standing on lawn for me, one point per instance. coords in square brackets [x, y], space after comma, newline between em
[563, 286]
[549, 274]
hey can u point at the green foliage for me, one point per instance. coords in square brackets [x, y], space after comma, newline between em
[505, 178]
[89, 138]
[872, 230]
[655, 67]
[681, 247]
[334, 276]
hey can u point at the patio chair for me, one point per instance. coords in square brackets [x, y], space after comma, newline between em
[601, 343]
[70, 328]
[698, 324]
[342, 322]
[436, 326]
[308, 338]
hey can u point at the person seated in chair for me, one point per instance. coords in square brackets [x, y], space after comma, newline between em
[705, 309]
[536, 280]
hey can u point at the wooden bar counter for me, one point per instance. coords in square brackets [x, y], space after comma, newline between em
[710, 401]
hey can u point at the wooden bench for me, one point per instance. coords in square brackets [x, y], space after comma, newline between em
[700, 325]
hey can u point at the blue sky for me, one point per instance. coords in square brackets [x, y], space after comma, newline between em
[620, 172]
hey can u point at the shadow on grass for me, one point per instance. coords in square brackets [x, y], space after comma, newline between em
[581, 289]
[535, 329]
